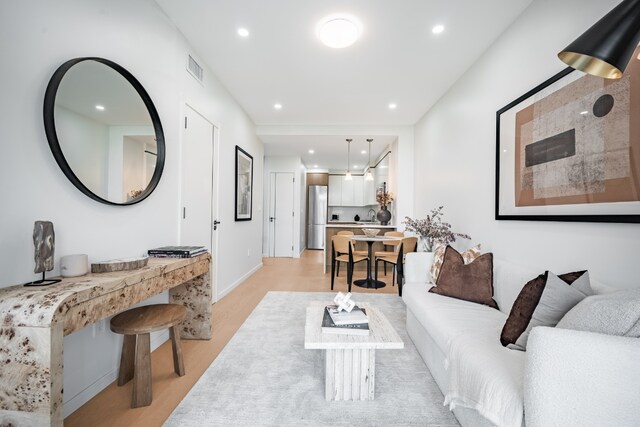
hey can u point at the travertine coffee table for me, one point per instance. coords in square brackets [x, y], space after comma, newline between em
[350, 360]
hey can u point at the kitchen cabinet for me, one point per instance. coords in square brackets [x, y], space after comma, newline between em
[369, 191]
[335, 190]
[347, 192]
[358, 191]
[350, 193]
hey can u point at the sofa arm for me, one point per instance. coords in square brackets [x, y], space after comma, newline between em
[577, 378]
[417, 266]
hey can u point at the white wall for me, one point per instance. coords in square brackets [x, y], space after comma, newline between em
[455, 152]
[290, 164]
[138, 36]
[302, 236]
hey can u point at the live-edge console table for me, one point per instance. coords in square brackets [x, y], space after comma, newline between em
[34, 320]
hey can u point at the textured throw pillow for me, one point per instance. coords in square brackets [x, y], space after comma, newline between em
[543, 301]
[470, 282]
[617, 313]
[438, 257]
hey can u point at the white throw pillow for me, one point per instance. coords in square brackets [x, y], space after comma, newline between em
[617, 313]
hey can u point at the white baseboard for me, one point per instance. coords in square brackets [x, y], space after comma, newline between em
[71, 405]
[223, 293]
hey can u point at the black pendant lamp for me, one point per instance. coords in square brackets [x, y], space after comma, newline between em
[604, 49]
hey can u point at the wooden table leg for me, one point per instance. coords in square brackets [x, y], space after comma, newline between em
[195, 295]
[32, 375]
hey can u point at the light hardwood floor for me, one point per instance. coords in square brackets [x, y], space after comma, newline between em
[111, 407]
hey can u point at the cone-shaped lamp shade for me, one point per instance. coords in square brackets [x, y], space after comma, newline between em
[604, 49]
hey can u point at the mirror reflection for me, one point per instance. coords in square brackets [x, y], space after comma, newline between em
[105, 133]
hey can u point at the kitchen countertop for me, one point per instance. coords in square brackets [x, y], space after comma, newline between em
[345, 224]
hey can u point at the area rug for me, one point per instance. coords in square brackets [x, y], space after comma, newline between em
[265, 377]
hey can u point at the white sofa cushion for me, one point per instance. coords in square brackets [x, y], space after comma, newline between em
[487, 377]
[445, 318]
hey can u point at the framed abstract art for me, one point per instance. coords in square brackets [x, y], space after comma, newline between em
[569, 150]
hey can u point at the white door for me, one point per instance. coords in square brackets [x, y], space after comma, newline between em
[281, 214]
[198, 202]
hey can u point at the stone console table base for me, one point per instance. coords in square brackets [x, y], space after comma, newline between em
[33, 322]
[350, 359]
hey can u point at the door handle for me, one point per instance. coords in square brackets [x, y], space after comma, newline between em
[272, 218]
[215, 224]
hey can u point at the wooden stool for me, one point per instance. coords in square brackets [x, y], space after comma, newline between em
[135, 362]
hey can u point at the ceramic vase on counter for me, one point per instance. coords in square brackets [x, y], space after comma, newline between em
[384, 216]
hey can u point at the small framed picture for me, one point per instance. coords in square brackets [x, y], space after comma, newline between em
[244, 185]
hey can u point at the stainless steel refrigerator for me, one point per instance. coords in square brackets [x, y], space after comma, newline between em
[317, 216]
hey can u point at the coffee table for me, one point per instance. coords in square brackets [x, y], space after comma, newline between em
[350, 360]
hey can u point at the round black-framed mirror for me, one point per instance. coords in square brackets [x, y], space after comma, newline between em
[117, 157]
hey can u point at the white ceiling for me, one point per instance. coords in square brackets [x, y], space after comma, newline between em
[330, 152]
[396, 60]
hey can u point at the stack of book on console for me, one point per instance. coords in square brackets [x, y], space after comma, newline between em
[177, 251]
[354, 322]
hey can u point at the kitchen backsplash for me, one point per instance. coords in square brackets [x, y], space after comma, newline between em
[348, 213]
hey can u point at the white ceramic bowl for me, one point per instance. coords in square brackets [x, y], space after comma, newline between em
[371, 232]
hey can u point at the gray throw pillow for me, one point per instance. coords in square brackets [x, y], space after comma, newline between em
[556, 300]
[617, 313]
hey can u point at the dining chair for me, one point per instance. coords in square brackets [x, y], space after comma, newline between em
[342, 233]
[407, 244]
[343, 245]
[387, 244]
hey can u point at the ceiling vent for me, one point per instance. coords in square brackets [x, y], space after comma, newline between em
[195, 69]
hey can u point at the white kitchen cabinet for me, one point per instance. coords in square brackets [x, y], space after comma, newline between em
[350, 193]
[347, 192]
[335, 190]
[358, 190]
[369, 191]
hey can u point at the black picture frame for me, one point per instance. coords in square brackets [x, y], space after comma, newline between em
[505, 147]
[243, 185]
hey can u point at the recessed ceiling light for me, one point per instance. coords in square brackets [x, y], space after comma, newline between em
[339, 31]
[277, 106]
[437, 29]
[363, 152]
[393, 106]
[243, 32]
[311, 151]
[584, 112]
[355, 166]
[315, 166]
[100, 107]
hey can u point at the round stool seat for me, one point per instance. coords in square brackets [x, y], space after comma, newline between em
[148, 318]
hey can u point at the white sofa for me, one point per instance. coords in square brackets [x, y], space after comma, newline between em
[565, 378]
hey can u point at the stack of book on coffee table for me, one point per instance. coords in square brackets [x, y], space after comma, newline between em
[354, 322]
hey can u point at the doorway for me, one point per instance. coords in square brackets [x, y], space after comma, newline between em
[281, 214]
[199, 191]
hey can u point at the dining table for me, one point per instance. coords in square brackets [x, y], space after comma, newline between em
[370, 282]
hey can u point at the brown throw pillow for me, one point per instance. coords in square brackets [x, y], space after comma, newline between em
[438, 257]
[470, 282]
[542, 302]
